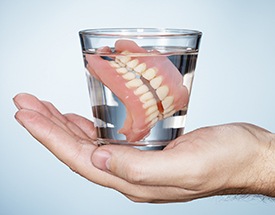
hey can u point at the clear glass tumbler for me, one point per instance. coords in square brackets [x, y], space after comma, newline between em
[139, 81]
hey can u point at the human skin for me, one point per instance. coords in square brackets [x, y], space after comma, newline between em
[236, 158]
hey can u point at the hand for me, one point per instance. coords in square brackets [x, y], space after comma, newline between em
[227, 159]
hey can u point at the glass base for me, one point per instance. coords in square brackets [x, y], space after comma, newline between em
[141, 145]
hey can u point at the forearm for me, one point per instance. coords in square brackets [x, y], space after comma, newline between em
[266, 182]
[258, 175]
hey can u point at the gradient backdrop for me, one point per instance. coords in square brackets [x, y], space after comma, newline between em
[40, 54]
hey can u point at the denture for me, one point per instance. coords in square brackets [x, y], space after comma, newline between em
[150, 86]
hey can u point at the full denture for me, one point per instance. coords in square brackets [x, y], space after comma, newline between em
[154, 84]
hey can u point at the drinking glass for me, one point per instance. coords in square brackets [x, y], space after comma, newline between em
[139, 82]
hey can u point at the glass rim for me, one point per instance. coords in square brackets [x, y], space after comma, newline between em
[139, 32]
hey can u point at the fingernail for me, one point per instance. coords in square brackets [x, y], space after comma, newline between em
[101, 158]
[16, 104]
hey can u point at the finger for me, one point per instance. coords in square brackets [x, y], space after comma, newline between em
[84, 124]
[27, 101]
[73, 127]
[54, 112]
[69, 149]
[72, 151]
[163, 194]
[55, 138]
[30, 102]
[142, 167]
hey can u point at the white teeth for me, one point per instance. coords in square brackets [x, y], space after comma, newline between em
[152, 117]
[149, 103]
[156, 82]
[125, 52]
[169, 114]
[123, 64]
[153, 122]
[151, 109]
[149, 74]
[134, 83]
[129, 76]
[119, 62]
[162, 92]
[168, 109]
[123, 59]
[167, 102]
[121, 70]
[113, 64]
[132, 64]
[140, 68]
[146, 97]
[141, 90]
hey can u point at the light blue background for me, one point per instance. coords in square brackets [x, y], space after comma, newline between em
[40, 54]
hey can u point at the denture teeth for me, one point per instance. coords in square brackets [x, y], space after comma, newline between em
[168, 109]
[123, 59]
[149, 103]
[162, 92]
[146, 96]
[121, 70]
[167, 102]
[129, 76]
[149, 74]
[151, 109]
[153, 122]
[140, 68]
[152, 117]
[169, 114]
[134, 83]
[141, 90]
[156, 82]
[132, 64]
[113, 64]
[119, 63]
[125, 52]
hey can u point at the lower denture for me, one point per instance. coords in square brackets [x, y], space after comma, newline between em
[170, 96]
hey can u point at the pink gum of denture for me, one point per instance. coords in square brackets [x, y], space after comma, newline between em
[135, 126]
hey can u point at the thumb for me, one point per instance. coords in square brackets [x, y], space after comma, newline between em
[138, 167]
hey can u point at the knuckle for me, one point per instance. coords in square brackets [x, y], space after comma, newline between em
[134, 174]
[135, 199]
[48, 104]
[141, 198]
[75, 158]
